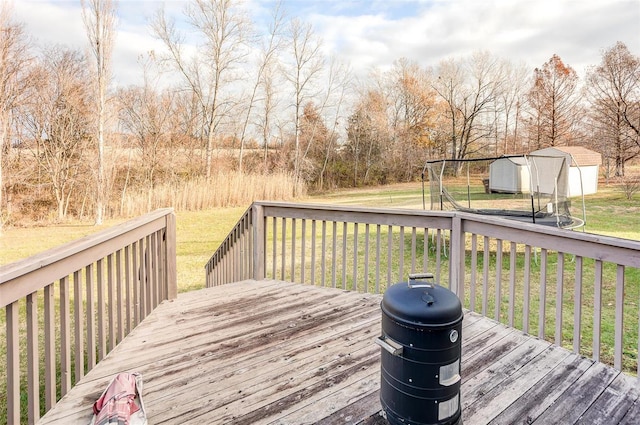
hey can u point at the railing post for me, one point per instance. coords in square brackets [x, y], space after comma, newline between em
[170, 257]
[456, 259]
[259, 241]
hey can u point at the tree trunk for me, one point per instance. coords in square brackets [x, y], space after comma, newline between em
[3, 133]
[209, 153]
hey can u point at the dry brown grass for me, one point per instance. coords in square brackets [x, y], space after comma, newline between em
[225, 189]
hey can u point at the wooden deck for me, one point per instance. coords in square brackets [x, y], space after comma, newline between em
[270, 352]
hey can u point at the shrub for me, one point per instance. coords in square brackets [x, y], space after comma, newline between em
[630, 186]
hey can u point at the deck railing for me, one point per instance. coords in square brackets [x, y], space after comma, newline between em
[67, 308]
[579, 290]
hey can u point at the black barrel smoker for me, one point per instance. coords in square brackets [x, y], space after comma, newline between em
[421, 351]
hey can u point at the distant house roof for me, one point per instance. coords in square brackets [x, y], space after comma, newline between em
[582, 156]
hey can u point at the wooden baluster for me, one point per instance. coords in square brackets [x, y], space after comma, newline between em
[293, 250]
[334, 254]
[33, 359]
[378, 243]
[485, 276]
[365, 279]
[597, 309]
[50, 366]
[120, 304]
[65, 337]
[389, 254]
[619, 325]
[344, 255]
[13, 362]
[274, 247]
[438, 254]
[577, 306]
[303, 248]
[512, 282]
[78, 311]
[401, 275]
[111, 302]
[474, 272]
[425, 247]
[313, 252]
[355, 256]
[136, 282]
[102, 339]
[284, 248]
[498, 294]
[543, 294]
[413, 250]
[559, 298]
[527, 289]
[91, 319]
[128, 278]
[323, 256]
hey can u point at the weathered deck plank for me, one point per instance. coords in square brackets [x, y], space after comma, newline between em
[613, 404]
[277, 353]
[545, 392]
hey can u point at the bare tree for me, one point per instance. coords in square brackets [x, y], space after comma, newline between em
[469, 90]
[146, 114]
[368, 132]
[306, 65]
[271, 44]
[269, 105]
[57, 118]
[509, 102]
[222, 27]
[99, 18]
[614, 94]
[338, 89]
[553, 103]
[411, 99]
[450, 85]
[13, 60]
[186, 130]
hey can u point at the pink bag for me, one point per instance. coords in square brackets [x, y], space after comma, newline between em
[121, 403]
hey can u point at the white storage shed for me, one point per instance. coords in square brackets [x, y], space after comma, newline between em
[583, 167]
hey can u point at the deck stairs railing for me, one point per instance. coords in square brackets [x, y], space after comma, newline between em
[66, 308]
[578, 290]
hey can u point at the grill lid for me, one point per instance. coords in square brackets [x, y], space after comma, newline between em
[422, 303]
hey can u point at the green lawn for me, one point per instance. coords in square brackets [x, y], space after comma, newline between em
[199, 233]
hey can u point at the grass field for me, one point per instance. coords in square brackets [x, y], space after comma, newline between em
[199, 233]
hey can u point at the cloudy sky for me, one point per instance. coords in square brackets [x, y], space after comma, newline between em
[374, 33]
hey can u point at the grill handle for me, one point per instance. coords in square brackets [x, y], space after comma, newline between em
[395, 348]
[413, 277]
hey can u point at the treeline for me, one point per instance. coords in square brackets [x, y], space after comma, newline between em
[248, 115]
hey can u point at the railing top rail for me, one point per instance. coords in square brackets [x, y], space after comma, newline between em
[383, 216]
[502, 222]
[142, 225]
[344, 208]
[623, 251]
[552, 231]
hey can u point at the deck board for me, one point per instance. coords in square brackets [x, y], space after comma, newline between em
[271, 352]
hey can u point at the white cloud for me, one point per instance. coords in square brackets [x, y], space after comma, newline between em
[375, 33]
[57, 22]
[520, 30]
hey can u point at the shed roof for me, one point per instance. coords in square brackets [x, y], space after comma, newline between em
[581, 155]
